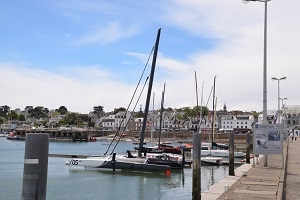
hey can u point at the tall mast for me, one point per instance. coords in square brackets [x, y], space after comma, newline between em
[196, 99]
[161, 114]
[149, 94]
[213, 118]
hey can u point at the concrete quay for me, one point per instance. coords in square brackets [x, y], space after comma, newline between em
[279, 180]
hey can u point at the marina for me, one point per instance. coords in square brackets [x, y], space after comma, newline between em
[65, 182]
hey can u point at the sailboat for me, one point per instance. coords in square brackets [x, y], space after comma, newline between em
[130, 161]
[213, 149]
[160, 147]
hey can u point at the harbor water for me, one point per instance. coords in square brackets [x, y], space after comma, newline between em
[65, 182]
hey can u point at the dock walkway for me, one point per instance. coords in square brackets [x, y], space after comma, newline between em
[279, 180]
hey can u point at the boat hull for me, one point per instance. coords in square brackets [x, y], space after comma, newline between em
[118, 163]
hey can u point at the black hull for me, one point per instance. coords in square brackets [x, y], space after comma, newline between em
[133, 166]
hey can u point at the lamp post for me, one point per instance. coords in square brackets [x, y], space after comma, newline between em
[282, 106]
[264, 71]
[283, 113]
[278, 79]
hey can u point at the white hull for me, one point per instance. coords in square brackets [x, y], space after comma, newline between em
[221, 153]
[211, 160]
[93, 162]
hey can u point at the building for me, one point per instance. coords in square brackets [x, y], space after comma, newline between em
[236, 123]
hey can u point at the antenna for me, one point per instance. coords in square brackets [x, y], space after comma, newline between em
[246, 1]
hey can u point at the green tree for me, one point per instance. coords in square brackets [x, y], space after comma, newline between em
[12, 115]
[22, 117]
[139, 114]
[116, 110]
[62, 110]
[98, 110]
[38, 112]
[4, 110]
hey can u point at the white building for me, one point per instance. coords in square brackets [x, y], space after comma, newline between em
[230, 123]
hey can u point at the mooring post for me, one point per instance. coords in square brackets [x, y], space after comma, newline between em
[35, 166]
[183, 159]
[248, 148]
[196, 193]
[231, 154]
[113, 161]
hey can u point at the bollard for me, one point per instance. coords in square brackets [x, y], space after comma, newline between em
[35, 166]
[196, 193]
[231, 154]
[247, 148]
[183, 159]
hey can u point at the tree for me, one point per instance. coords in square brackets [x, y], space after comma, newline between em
[22, 117]
[28, 108]
[12, 115]
[38, 112]
[98, 110]
[116, 110]
[139, 114]
[4, 110]
[62, 110]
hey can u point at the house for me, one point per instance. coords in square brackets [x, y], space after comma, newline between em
[236, 123]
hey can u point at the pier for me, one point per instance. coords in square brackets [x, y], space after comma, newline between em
[254, 181]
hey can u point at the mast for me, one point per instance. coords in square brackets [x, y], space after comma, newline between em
[149, 94]
[213, 118]
[161, 114]
[196, 98]
[152, 128]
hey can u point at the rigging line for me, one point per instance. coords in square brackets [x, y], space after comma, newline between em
[120, 136]
[117, 131]
[209, 95]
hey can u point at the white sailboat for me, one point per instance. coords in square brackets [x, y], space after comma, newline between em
[131, 161]
[209, 148]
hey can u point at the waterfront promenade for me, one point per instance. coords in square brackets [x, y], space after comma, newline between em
[279, 180]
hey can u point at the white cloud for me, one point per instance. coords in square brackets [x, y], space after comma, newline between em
[104, 35]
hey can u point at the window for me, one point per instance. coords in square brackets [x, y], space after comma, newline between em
[237, 122]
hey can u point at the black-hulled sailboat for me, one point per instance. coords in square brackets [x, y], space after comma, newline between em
[130, 161]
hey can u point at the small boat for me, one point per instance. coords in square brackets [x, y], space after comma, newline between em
[162, 148]
[13, 136]
[175, 161]
[209, 160]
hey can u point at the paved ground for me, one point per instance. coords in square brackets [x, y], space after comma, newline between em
[292, 189]
[259, 182]
[279, 180]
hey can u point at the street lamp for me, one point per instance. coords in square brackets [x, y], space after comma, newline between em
[264, 71]
[283, 114]
[282, 108]
[278, 79]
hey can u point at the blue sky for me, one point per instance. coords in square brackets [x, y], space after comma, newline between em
[82, 54]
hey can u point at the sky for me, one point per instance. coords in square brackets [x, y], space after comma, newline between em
[81, 54]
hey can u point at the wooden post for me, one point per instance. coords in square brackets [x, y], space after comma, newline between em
[248, 148]
[196, 193]
[231, 154]
[35, 166]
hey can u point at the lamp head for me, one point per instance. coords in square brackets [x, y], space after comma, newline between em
[283, 78]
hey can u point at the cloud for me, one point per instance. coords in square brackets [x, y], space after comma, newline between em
[105, 35]
[25, 86]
